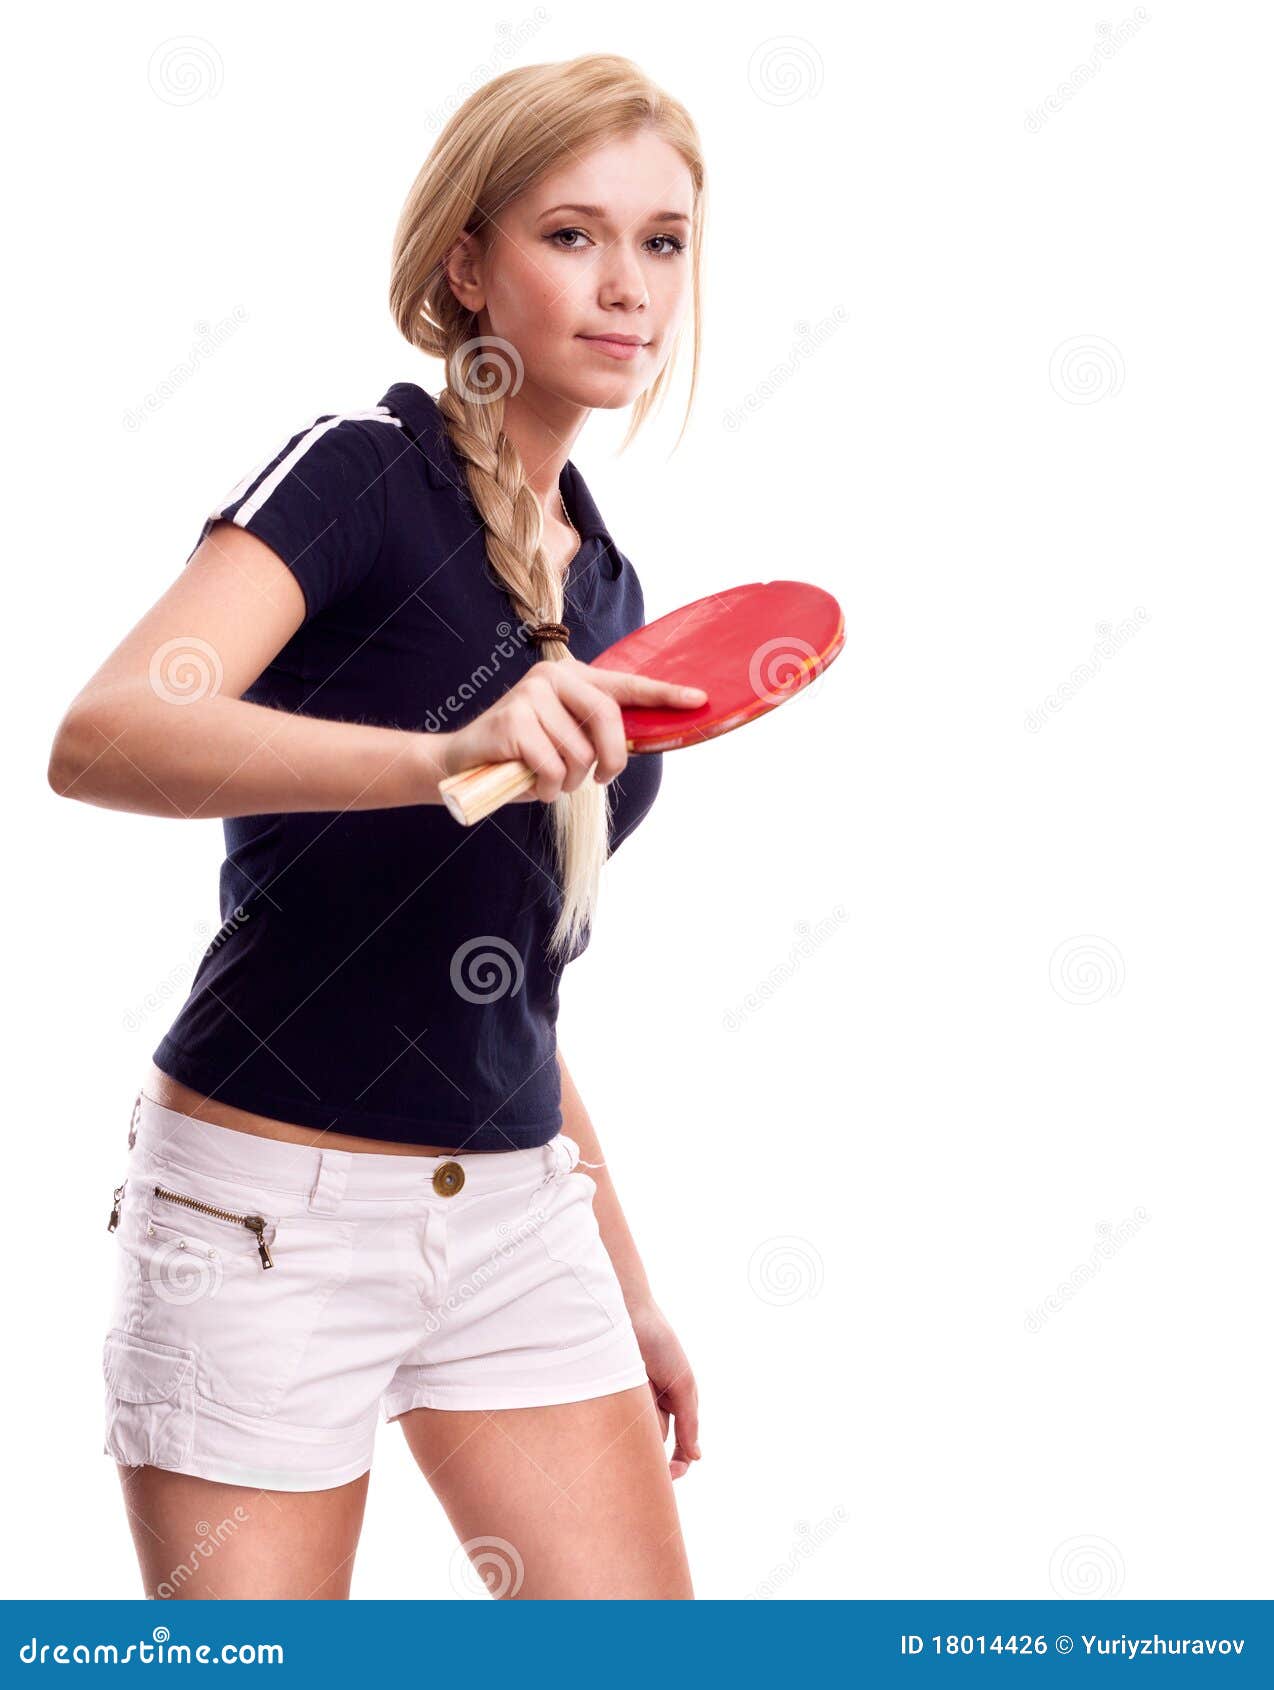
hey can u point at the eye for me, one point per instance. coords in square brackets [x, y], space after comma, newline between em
[677, 246]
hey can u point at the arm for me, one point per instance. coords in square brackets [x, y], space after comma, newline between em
[671, 1380]
[620, 1244]
[161, 730]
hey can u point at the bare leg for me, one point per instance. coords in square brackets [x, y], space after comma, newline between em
[570, 1501]
[198, 1538]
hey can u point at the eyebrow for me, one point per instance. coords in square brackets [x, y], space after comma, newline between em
[600, 212]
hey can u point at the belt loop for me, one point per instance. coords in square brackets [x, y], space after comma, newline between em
[558, 1159]
[329, 1187]
[572, 1148]
[132, 1125]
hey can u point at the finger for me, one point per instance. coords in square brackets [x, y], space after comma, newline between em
[660, 1410]
[682, 1398]
[598, 715]
[534, 748]
[688, 1434]
[573, 743]
[645, 689]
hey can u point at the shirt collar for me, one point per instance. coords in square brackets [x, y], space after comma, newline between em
[419, 412]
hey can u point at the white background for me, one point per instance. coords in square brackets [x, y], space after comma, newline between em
[1034, 998]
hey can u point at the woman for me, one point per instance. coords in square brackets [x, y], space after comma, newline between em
[353, 1186]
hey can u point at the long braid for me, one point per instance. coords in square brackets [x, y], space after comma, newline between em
[514, 525]
[497, 484]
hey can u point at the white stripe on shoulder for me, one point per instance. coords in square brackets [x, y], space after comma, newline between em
[241, 487]
[313, 431]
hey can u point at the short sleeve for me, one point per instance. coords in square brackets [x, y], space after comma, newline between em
[319, 502]
[632, 585]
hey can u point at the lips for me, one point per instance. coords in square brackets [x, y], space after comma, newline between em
[625, 348]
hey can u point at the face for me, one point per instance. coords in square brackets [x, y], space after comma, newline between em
[599, 248]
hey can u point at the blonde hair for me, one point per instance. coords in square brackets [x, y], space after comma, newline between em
[509, 133]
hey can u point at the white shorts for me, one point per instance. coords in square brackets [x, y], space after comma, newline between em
[260, 1337]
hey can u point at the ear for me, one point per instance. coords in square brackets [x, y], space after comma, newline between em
[463, 268]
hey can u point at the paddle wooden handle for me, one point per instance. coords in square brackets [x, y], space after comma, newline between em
[475, 793]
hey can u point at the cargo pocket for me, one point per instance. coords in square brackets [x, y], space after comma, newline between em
[150, 1413]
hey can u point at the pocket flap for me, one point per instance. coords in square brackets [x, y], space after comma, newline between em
[141, 1370]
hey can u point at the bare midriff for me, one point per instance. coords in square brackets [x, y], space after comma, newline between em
[172, 1094]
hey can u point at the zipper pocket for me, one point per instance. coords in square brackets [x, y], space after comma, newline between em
[117, 1198]
[254, 1223]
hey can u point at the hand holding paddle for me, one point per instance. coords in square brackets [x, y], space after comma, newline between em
[744, 651]
[546, 733]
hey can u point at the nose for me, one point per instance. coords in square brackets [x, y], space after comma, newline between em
[624, 286]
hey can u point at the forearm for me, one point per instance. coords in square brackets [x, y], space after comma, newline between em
[224, 756]
[618, 1239]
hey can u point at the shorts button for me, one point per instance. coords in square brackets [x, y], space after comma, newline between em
[448, 1179]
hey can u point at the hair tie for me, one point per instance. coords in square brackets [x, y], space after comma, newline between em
[542, 631]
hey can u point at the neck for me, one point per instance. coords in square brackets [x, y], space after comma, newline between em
[543, 429]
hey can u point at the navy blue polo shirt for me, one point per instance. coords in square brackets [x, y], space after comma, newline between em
[386, 972]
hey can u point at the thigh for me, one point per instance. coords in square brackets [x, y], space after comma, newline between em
[573, 1500]
[199, 1538]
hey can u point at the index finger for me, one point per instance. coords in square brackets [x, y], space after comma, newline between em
[645, 689]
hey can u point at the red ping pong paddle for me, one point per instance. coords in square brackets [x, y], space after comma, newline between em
[750, 648]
